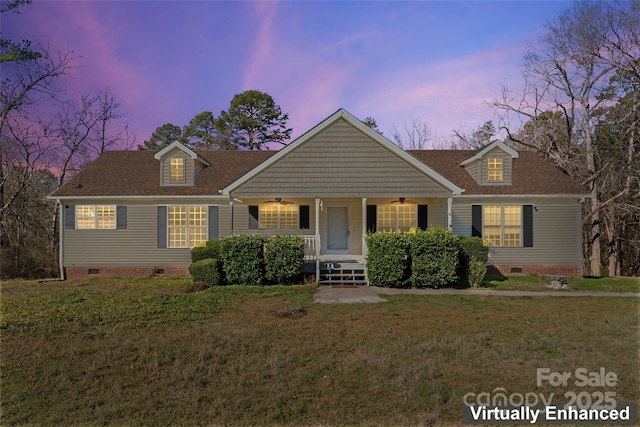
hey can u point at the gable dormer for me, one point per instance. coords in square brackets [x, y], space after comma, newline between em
[492, 165]
[179, 166]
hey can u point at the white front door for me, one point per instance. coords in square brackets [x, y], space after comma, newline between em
[338, 229]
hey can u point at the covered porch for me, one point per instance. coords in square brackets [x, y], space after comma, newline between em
[335, 228]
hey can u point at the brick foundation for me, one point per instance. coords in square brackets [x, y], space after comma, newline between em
[540, 270]
[84, 272]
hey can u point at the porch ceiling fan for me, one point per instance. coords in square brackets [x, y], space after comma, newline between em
[278, 201]
[404, 201]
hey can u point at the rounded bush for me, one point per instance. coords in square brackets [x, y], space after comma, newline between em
[387, 259]
[283, 258]
[207, 271]
[209, 251]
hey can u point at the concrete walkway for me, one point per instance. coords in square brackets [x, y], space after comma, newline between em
[370, 294]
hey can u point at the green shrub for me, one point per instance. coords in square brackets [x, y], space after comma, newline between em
[473, 248]
[477, 271]
[387, 259]
[207, 271]
[243, 259]
[210, 250]
[283, 258]
[434, 257]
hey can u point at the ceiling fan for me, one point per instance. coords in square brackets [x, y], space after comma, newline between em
[404, 201]
[279, 201]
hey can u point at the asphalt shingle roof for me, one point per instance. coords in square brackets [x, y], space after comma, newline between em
[137, 173]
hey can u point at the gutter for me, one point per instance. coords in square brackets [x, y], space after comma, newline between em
[61, 238]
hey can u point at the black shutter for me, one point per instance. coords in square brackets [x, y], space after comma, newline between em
[213, 222]
[476, 220]
[527, 226]
[254, 224]
[121, 217]
[423, 221]
[372, 218]
[162, 226]
[70, 217]
[304, 216]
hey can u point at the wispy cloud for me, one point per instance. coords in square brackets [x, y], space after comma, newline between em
[262, 49]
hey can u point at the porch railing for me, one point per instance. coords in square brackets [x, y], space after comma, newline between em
[311, 244]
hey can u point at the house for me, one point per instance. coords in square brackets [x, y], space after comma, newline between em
[138, 213]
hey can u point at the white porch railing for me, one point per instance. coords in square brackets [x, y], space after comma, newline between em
[310, 246]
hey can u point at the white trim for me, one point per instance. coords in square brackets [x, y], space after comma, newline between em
[377, 137]
[510, 151]
[181, 147]
[524, 196]
[203, 196]
[61, 239]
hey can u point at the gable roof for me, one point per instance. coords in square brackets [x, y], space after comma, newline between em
[137, 173]
[375, 136]
[532, 174]
[495, 144]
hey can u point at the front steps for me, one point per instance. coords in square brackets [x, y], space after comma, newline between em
[342, 273]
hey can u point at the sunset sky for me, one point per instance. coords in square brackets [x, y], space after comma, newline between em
[166, 61]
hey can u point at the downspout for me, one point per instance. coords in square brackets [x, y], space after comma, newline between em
[317, 240]
[231, 204]
[449, 214]
[364, 240]
[60, 239]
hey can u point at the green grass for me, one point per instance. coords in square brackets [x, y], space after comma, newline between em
[539, 283]
[143, 352]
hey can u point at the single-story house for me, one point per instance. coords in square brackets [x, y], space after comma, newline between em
[138, 213]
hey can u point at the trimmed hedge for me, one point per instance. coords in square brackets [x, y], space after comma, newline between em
[434, 257]
[477, 271]
[210, 250]
[243, 259]
[206, 270]
[473, 248]
[388, 259]
[283, 258]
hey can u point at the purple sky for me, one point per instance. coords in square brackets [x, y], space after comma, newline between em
[395, 61]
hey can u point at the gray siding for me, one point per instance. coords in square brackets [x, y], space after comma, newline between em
[189, 173]
[556, 231]
[474, 170]
[506, 167]
[134, 246]
[341, 161]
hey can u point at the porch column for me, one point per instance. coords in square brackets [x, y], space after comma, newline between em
[364, 235]
[317, 239]
[449, 215]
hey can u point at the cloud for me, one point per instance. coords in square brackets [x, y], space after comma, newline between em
[262, 49]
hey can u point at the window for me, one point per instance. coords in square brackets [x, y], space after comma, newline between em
[95, 217]
[502, 225]
[397, 218]
[187, 226]
[495, 168]
[177, 169]
[278, 216]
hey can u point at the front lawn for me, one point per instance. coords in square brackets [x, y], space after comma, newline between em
[539, 283]
[143, 352]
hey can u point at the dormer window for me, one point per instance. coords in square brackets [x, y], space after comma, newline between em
[495, 168]
[177, 170]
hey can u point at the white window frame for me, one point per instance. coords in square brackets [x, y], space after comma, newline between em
[188, 241]
[96, 217]
[177, 169]
[495, 169]
[503, 226]
[278, 216]
[396, 226]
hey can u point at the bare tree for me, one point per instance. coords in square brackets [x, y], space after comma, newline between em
[566, 81]
[416, 135]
